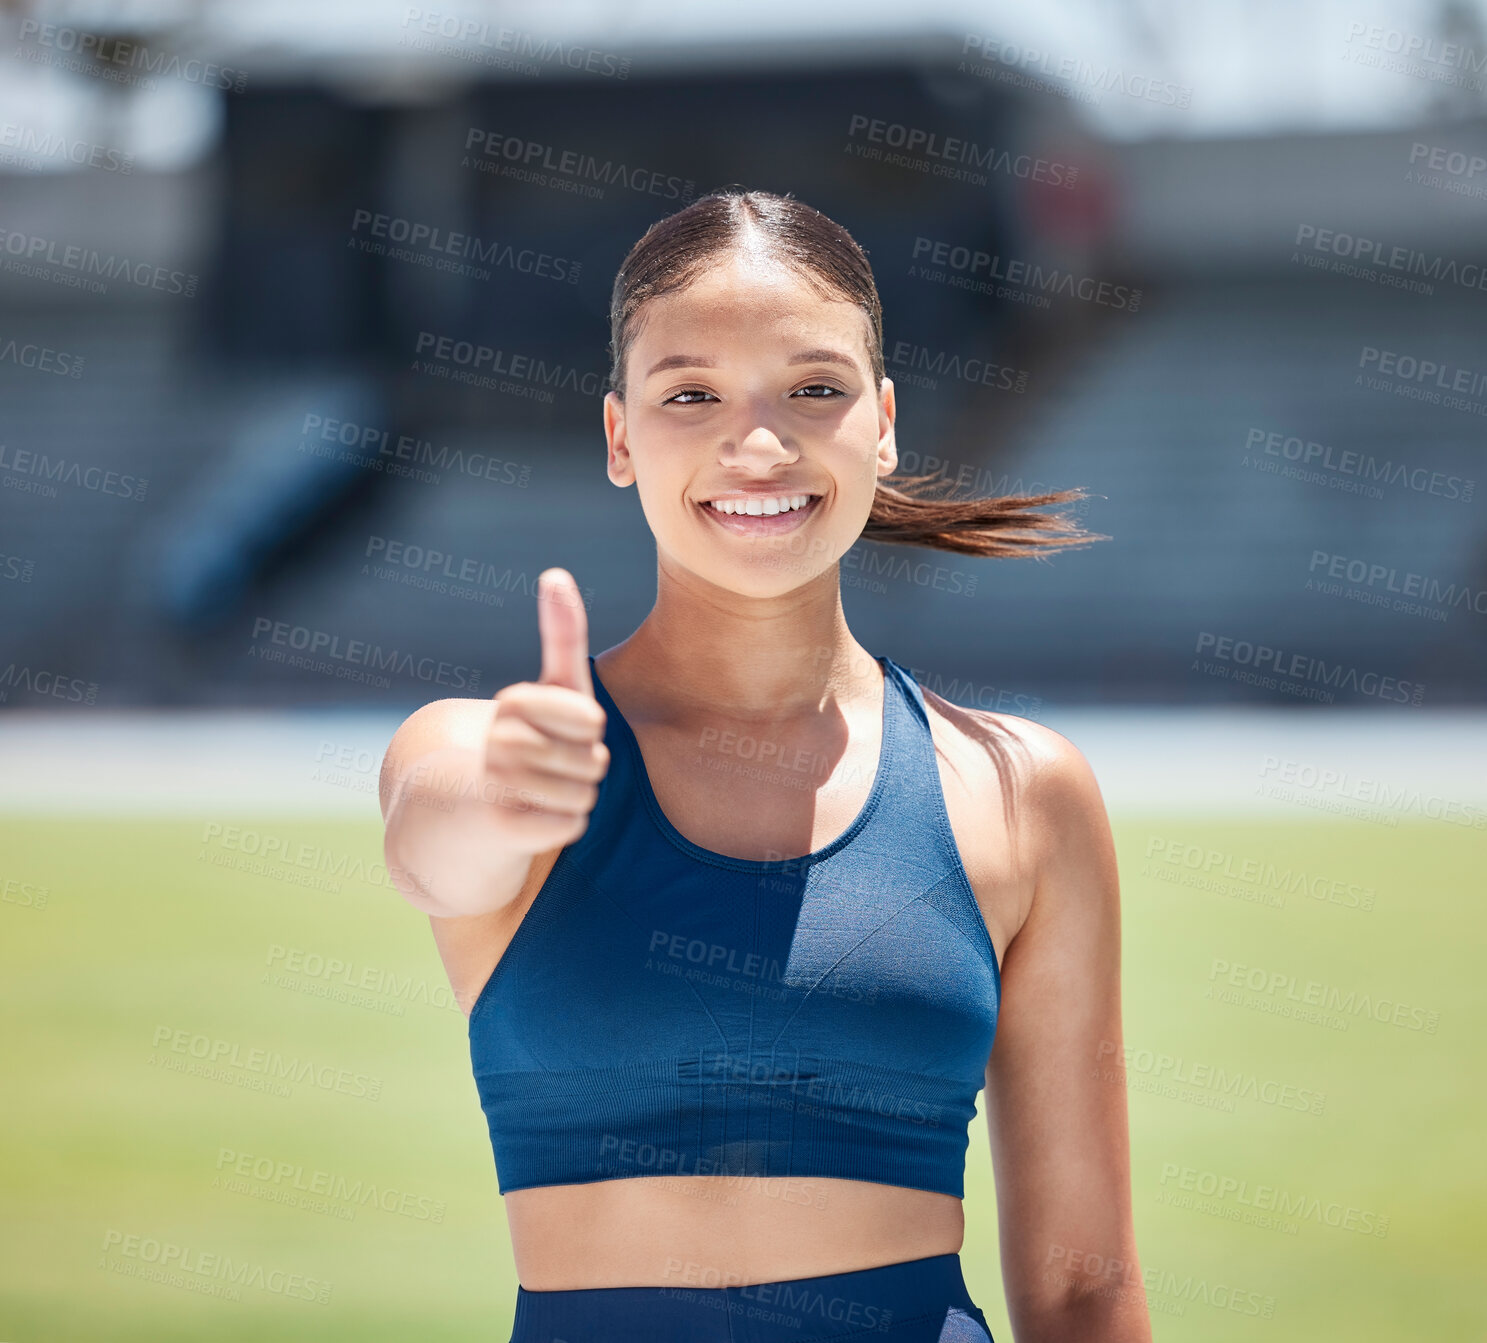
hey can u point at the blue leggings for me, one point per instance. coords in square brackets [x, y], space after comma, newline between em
[919, 1301]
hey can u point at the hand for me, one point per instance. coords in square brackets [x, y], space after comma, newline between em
[545, 752]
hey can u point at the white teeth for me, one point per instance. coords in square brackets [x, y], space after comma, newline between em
[760, 506]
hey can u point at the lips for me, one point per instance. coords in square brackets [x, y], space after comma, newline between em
[761, 524]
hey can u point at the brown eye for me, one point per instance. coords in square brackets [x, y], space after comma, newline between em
[823, 386]
[686, 391]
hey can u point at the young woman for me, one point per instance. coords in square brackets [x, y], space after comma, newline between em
[736, 908]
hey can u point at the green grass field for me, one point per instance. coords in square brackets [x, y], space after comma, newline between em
[143, 946]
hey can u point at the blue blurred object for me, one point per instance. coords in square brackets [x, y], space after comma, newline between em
[269, 485]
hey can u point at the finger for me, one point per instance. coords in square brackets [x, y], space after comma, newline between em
[555, 710]
[545, 794]
[564, 629]
[524, 742]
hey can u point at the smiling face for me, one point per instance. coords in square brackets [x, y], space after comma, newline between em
[747, 388]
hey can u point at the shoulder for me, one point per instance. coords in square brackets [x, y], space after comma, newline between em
[438, 724]
[1040, 778]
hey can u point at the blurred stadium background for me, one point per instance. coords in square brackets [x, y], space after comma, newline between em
[303, 315]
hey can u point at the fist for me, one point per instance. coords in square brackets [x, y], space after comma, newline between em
[545, 754]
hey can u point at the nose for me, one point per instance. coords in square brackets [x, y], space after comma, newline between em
[759, 448]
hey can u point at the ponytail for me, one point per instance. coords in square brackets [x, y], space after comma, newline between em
[998, 525]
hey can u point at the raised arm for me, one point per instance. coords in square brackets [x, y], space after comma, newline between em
[472, 790]
[1055, 1105]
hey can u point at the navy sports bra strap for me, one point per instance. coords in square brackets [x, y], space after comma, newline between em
[917, 803]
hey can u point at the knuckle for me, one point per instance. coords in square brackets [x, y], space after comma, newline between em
[517, 731]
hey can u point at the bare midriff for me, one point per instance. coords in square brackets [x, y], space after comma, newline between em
[720, 1231]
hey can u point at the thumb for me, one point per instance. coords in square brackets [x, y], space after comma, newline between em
[563, 626]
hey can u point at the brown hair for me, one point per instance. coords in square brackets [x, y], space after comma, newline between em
[675, 249]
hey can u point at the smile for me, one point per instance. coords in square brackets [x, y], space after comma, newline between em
[761, 514]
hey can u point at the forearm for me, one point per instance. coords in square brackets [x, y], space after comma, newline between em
[442, 845]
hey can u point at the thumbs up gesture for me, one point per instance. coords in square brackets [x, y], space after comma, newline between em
[545, 754]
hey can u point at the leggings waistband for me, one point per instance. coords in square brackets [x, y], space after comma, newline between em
[893, 1303]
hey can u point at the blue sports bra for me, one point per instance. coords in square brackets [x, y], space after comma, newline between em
[666, 1010]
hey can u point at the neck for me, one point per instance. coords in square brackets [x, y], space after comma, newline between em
[764, 658]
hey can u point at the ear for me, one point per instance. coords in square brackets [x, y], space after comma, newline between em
[887, 435]
[621, 470]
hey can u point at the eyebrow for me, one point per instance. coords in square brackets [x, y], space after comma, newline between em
[821, 355]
